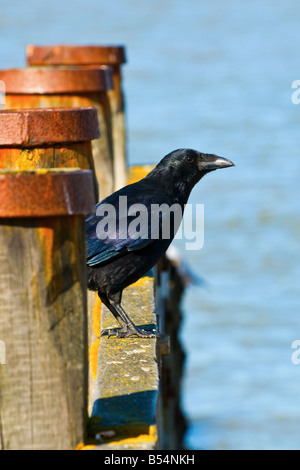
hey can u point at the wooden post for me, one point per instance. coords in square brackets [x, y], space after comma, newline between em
[113, 56]
[48, 138]
[51, 87]
[43, 312]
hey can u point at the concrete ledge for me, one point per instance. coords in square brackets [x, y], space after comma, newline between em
[127, 384]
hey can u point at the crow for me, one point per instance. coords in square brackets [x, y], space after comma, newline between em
[122, 249]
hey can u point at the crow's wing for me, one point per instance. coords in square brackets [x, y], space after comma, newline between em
[112, 232]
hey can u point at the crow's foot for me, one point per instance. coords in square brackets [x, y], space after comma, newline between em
[129, 332]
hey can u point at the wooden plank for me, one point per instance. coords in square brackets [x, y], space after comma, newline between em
[43, 322]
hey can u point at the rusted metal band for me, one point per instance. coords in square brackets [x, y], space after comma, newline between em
[46, 193]
[73, 55]
[56, 80]
[49, 126]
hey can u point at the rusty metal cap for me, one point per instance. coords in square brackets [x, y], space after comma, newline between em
[46, 193]
[56, 80]
[48, 126]
[75, 55]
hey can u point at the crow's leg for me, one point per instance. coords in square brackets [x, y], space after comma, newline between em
[128, 328]
[131, 329]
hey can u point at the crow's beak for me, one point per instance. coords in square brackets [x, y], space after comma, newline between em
[214, 162]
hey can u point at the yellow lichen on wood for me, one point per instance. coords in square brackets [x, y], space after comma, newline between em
[28, 160]
[78, 154]
[137, 173]
[97, 316]
[142, 281]
[38, 171]
[45, 236]
[151, 437]
[94, 358]
[81, 446]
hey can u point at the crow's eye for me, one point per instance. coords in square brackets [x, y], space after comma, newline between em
[190, 159]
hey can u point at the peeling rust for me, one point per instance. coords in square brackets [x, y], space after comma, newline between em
[44, 193]
[73, 54]
[33, 127]
[49, 80]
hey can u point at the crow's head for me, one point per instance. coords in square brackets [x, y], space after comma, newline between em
[183, 168]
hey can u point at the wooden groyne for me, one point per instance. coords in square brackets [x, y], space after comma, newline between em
[62, 384]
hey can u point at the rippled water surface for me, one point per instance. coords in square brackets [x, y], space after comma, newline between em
[215, 76]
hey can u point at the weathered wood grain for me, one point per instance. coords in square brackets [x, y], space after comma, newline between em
[43, 322]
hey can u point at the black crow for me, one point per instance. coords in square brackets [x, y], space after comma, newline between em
[122, 248]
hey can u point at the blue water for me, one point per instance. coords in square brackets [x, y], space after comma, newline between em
[215, 76]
